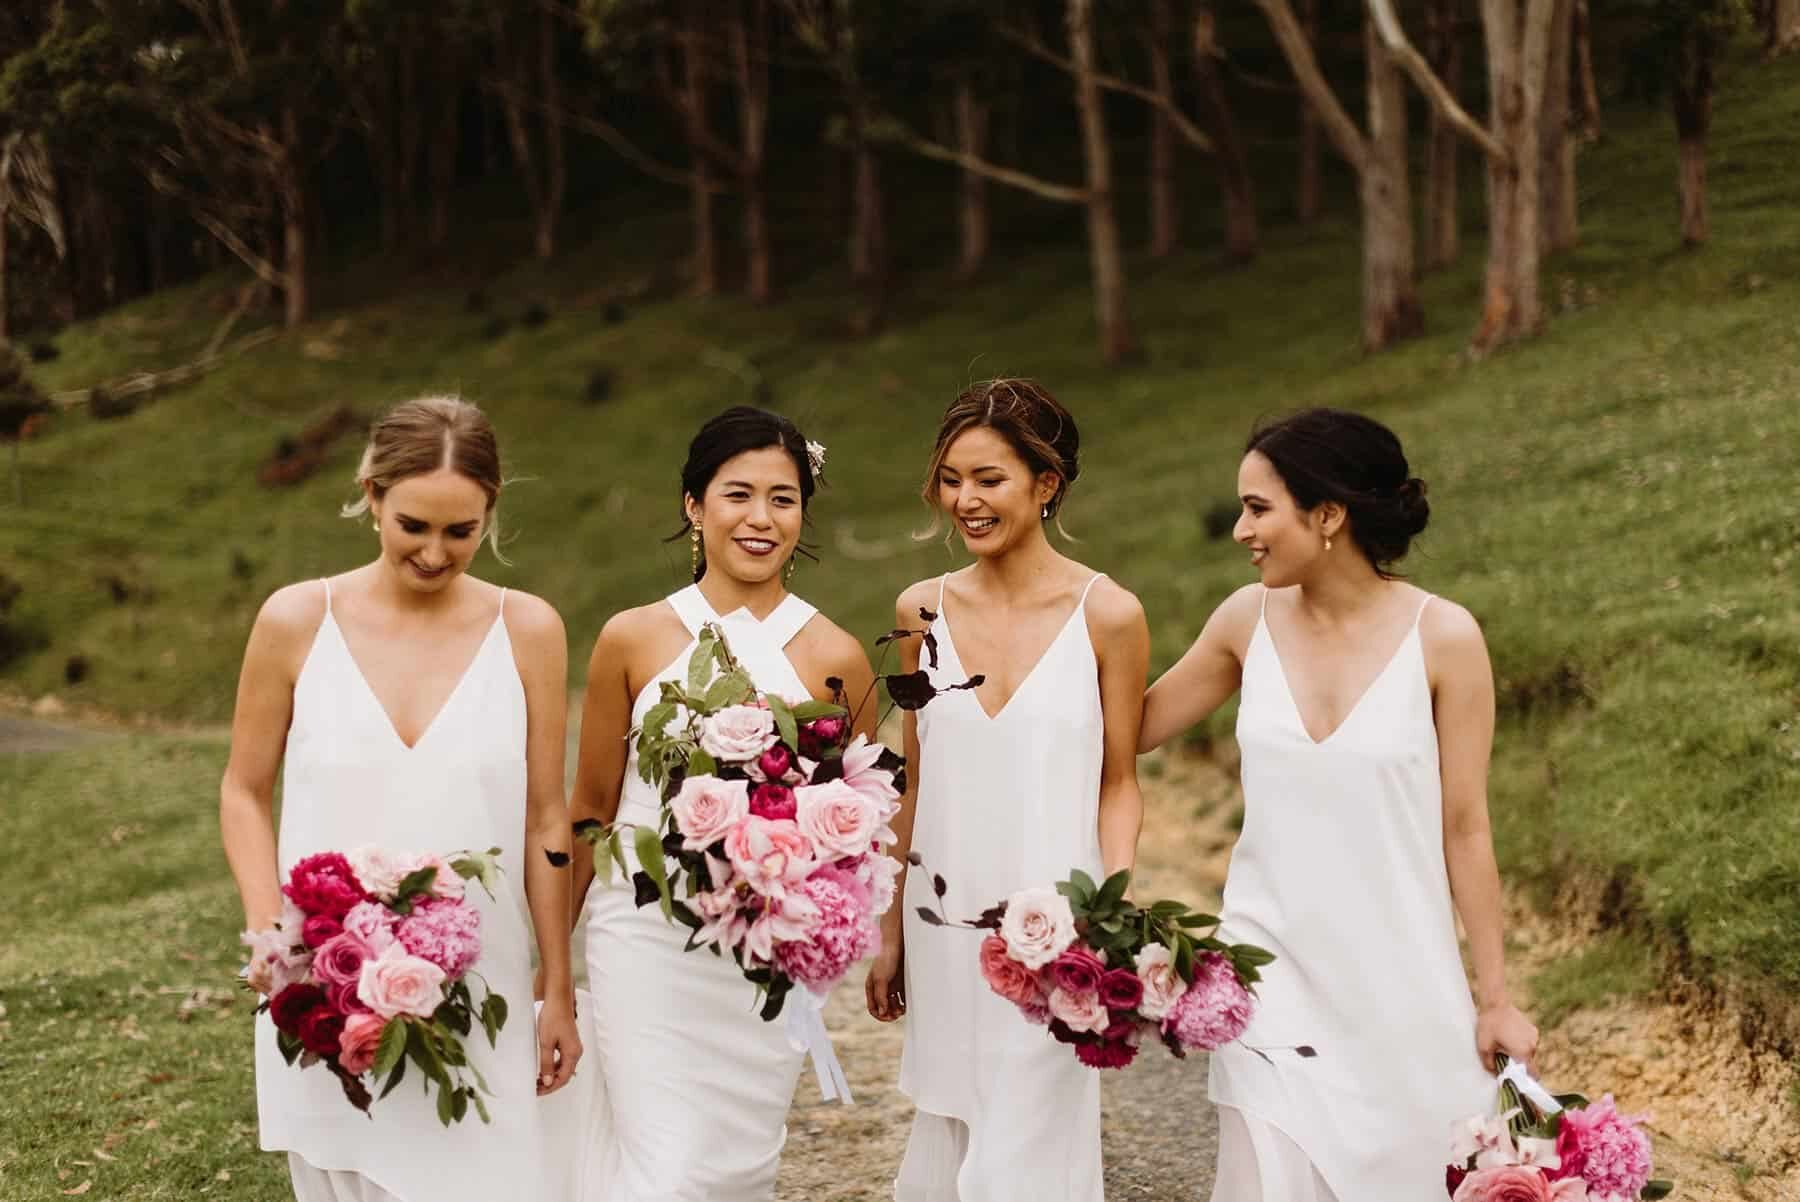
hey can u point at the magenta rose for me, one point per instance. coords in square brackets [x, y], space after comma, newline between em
[770, 855]
[822, 734]
[1121, 989]
[1078, 1011]
[773, 764]
[707, 807]
[319, 929]
[839, 820]
[324, 884]
[772, 800]
[344, 998]
[320, 1029]
[398, 982]
[1507, 1183]
[357, 1042]
[289, 1007]
[1006, 976]
[1078, 970]
[340, 960]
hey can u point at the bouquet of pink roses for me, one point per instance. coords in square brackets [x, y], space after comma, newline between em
[770, 843]
[368, 966]
[1103, 974]
[1544, 1148]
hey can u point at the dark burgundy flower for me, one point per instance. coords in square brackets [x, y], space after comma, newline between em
[1453, 1177]
[1078, 970]
[772, 801]
[821, 734]
[318, 929]
[321, 1030]
[1108, 1053]
[293, 1004]
[776, 762]
[1121, 989]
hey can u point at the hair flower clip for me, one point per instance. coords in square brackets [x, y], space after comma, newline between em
[815, 457]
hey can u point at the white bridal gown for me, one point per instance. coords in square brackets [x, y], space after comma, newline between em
[1005, 1113]
[697, 1086]
[348, 781]
[1340, 872]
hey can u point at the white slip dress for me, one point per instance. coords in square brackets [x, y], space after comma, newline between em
[1008, 802]
[696, 1085]
[1340, 872]
[348, 780]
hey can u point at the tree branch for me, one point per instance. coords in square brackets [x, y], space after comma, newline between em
[887, 129]
[1190, 132]
[609, 134]
[1387, 26]
[1344, 132]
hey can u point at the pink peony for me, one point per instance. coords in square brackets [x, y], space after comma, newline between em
[769, 854]
[737, 733]
[324, 884]
[839, 820]
[319, 929]
[1163, 986]
[1078, 1011]
[1507, 1183]
[1215, 1009]
[842, 936]
[398, 982]
[1608, 1150]
[1078, 970]
[1006, 976]
[707, 807]
[447, 933]
[374, 924]
[1038, 926]
[1570, 1189]
[772, 800]
[340, 959]
[878, 872]
[862, 774]
[357, 1044]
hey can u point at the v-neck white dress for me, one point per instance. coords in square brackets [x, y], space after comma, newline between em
[348, 780]
[697, 1086]
[1007, 802]
[1340, 872]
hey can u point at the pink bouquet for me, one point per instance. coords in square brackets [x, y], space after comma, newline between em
[1541, 1148]
[368, 968]
[770, 844]
[1104, 974]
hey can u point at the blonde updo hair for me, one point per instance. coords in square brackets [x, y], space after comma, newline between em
[420, 436]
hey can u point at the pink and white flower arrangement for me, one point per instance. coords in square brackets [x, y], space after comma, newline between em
[1541, 1148]
[367, 968]
[1103, 973]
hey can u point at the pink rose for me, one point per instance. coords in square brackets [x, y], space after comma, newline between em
[1507, 1183]
[769, 854]
[357, 1044]
[340, 960]
[398, 982]
[1163, 986]
[707, 807]
[1038, 1013]
[839, 820]
[1037, 927]
[1078, 1011]
[1006, 976]
[1120, 989]
[374, 924]
[863, 773]
[737, 733]
[378, 869]
[343, 998]
[773, 800]
[318, 929]
[1077, 970]
[446, 883]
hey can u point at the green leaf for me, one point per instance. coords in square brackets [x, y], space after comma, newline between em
[480, 1108]
[1195, 921]
[392, 1048]
[1168, 908]
[399, 1072]
[1080, 889]
[616, 845]
[700, 663]
[650, 859]
[733, 688]
[603, 861]
[446, 1106]
[701, 764]
[656, 718]
[1113, 891]
[785, 723]
[415, 883]
[1250, 954]
[462, 1104]
[1657, 1188]
[809, 711]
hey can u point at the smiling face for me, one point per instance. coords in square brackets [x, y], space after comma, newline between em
[1284, 540]
[985, 486]
[431, 526]
[751, 515]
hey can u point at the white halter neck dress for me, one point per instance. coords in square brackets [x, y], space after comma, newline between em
[697, 1085]
[348, 780]
[1005, 1113]
[1340, 872]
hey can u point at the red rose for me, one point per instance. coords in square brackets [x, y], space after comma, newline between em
[320, 1031]
[821, 734]
[773, 801]
[1121, 989]
[318, 929]
[325, 884]
[293, 1004]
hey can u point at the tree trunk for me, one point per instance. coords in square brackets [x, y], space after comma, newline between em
[3, 301]
[1116, 341]
[972, 198]
[868, 233]
[1783, 33]
[1584, 73]
[1391, 309]
[556, 171]
[1443, 50]
[1237, 188]
[1692, 96]
[1556, 148]
[442, 160]
[690, 101]
[750, 60]
[1517, 34]
[1165, 209]
[544, 193]
[1307, 198]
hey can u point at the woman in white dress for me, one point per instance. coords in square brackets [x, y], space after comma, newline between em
[1364, 725]
[1010, 785]
[413, 707]
[697, 1086]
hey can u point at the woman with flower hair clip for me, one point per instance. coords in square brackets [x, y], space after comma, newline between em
[1010, 785]
[696, 1085]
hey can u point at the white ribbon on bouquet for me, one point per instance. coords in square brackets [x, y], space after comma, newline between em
[1515, 1074]
[806, 1033]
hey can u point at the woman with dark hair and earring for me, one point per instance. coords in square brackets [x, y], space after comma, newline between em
[1011, 785]
[696, 1086]
[1364, 724]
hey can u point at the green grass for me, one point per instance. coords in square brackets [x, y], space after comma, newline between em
[1615, 501]
[1616, 966]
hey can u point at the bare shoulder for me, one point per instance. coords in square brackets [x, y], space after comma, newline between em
[531, 619]
[632, 626]
[832, 645]
[292, 614]
[921, 594]
[1235, 619]
[1447, 627]
[1114, 609]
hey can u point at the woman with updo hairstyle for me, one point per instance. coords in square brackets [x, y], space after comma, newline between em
[1365, 718]
[696, 1084]
[1012, 784]
[412, 708]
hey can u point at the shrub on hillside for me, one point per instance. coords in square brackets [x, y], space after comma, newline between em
[44, 352]
[107, 406]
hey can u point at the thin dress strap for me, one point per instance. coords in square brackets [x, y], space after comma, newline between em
[1081, 604]
[941, 581]
[1421, 614]
[502, 602]
[1262, 612]
[326, 581]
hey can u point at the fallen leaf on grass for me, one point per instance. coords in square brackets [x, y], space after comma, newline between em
[83, 1188]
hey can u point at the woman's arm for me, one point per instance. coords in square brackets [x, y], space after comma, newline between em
[884, 988]
[600, 768]
[1463, 703]
[1204, 678]
[259, 729]
[541, 651]
[1117, 625]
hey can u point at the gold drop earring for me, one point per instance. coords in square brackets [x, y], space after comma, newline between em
[787, 572]
[1328, 542]
[694, 548]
